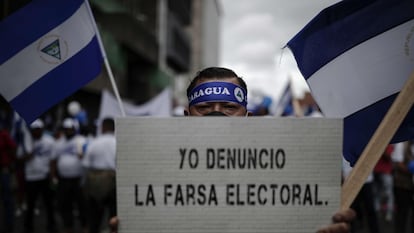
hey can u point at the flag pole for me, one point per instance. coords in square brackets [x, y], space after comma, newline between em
[378, 143]
[106, 62]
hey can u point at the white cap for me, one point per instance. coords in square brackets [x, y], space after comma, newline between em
[37, 124]
[69, 123]
[74, 108]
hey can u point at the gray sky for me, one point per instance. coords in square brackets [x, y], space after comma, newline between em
[253, 34]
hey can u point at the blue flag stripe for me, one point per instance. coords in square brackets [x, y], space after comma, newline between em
[59, 83]
[343, 26]
[18, 29]
[369, 119]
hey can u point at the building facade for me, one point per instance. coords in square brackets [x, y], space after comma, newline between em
[150, 45]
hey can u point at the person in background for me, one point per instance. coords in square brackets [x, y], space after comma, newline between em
[21, 134]
[67, 168]
[235, 106]
[37, 176]
[100, 189]
[7, 159]
[363, 204]
[383, 184]
[403, 186]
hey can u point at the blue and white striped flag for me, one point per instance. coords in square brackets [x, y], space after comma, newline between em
[49, 49]
[356, 56]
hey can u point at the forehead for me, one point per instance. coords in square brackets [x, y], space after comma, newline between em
[229, 79]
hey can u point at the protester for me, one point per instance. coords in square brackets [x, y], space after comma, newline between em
[7, 158]
[403, 186]
[363, 203]
[220, 103]
[383, 184]
[37, 176]
[100, 187]
[23, 138]
[68, 169]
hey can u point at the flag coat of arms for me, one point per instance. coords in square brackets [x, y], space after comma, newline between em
[49, 50]
[356, 56]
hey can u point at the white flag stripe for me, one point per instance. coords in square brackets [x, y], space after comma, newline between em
[27, 66]
[340, 87]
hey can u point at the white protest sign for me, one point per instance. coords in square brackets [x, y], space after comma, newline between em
[219, 174]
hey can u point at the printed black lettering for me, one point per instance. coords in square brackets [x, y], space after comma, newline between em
[280, 158]
[260, 194]
[210, 158]
[245, 158]
[263, 164]
[190, 190]
[284, 194]
[317, 201]
[190, 195]
[179, 196]
[252, 159]
[182, 153]
[201, 193]
[260, 199]
[238, 199]
[229, 194]
[296, 191]
[231, 159]
[213, 196]
[137, 201]
[220, 158]
[192, 157]
[274, 188]
[167, 193]
[307, 197]
[251, 194]
[149, 197]
[242, 159]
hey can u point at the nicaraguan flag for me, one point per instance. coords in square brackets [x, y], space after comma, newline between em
[356, 56]
[49, 49]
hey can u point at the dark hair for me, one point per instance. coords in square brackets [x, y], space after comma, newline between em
[108, 124]
[215, 73]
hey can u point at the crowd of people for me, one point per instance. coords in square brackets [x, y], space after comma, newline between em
[387, 194]
[74, 171]
[67, 174]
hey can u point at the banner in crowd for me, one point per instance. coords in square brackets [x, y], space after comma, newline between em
[160, 106]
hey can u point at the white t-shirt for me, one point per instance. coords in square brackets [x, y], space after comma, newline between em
[67, 154]
[100, 153]
[398, 153]
[39, 166]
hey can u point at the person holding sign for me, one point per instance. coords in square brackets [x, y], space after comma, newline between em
[218, 91]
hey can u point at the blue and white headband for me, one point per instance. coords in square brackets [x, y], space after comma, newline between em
[218, 92]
